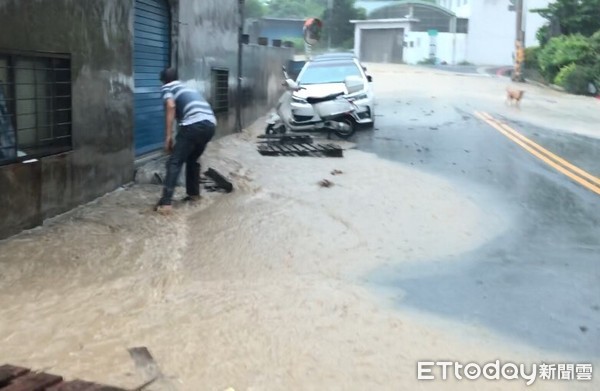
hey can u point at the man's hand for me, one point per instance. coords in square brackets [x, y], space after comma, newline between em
[169, 145]
[169, 118]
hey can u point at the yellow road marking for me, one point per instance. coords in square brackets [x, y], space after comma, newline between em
[543, 150]
[538, 151]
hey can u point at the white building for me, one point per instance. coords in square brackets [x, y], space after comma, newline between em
[492, 28]
[478, 31]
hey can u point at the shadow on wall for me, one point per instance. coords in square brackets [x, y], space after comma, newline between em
[261, 79]
[216, 79]
[261, 86]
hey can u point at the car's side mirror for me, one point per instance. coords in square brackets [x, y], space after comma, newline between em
[369, 78]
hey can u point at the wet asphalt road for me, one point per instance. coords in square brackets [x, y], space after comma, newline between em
[539, 283]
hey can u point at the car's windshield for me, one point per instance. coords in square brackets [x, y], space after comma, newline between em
[328, 73]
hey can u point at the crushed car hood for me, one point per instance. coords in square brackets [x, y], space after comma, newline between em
[319, 90]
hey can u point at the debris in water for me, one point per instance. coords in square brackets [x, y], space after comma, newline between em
[24, 379]
[148, 368]
[336, 172]
[325, 183]
[220, 180]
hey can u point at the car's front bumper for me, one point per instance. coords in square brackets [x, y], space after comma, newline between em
[364, 114]
[303, 112]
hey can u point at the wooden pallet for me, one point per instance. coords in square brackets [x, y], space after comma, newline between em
[286, 139]
[277, 149]
[13, 378]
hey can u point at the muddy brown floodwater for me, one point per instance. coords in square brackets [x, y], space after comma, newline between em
[261, 289]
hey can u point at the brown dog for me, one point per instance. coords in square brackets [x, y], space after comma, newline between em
[513, 95]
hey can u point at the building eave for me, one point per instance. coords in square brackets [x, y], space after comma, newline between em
[395, 20]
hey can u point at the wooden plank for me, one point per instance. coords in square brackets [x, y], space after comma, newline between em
[9, 372]
[311, 148]
[220, 180]
[299, 150]
[79, 385]
[33, 382]
[286, 150]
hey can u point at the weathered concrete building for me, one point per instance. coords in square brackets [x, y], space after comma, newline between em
[79, 91]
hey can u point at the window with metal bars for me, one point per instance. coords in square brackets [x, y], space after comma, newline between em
[35, 106]
[220, 90]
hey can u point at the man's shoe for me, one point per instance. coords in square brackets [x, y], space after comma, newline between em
[164, 209]
[190, 198]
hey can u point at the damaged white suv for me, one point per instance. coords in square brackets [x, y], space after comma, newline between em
[325, 75]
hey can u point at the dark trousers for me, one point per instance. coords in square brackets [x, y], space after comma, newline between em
[190, 143]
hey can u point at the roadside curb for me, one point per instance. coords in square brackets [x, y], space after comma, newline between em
[503, 71]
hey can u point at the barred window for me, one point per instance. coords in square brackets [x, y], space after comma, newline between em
[462, 25]
[220, 90]
[35, 106]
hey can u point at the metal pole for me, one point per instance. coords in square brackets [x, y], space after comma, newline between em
[519, 44]
[329, 19]
[238, 100]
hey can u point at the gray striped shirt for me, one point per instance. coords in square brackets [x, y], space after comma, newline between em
[190, 106]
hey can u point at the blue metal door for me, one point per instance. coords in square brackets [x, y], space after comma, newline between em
[151, 54]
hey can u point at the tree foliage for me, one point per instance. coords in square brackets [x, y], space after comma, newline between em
[572, 17]
[337, 22]
[254, 9]
[562, 51]
[301, 9]
[579, 80]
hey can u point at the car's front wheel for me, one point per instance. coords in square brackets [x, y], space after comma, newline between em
[347, 130]
[272, 129]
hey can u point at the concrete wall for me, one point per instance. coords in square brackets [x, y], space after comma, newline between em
[97, 34]
[449, 47]
[208, 38]
[261, 79]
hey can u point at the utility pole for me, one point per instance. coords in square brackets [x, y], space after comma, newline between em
[329, 19]
[238, 99]
[517, 74]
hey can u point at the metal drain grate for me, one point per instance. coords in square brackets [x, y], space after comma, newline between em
[300, 145]
[13, 378]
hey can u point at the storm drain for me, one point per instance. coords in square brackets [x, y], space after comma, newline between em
[274, 145]
[13, 378]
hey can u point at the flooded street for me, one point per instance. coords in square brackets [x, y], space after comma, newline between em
[270, 287]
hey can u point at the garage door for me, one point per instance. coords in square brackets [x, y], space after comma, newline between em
[381, 45]
[151, 54]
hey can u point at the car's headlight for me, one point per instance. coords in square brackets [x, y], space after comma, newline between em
[298, 99]
[357, 97]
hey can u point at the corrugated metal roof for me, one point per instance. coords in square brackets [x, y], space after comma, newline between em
[371, 6]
